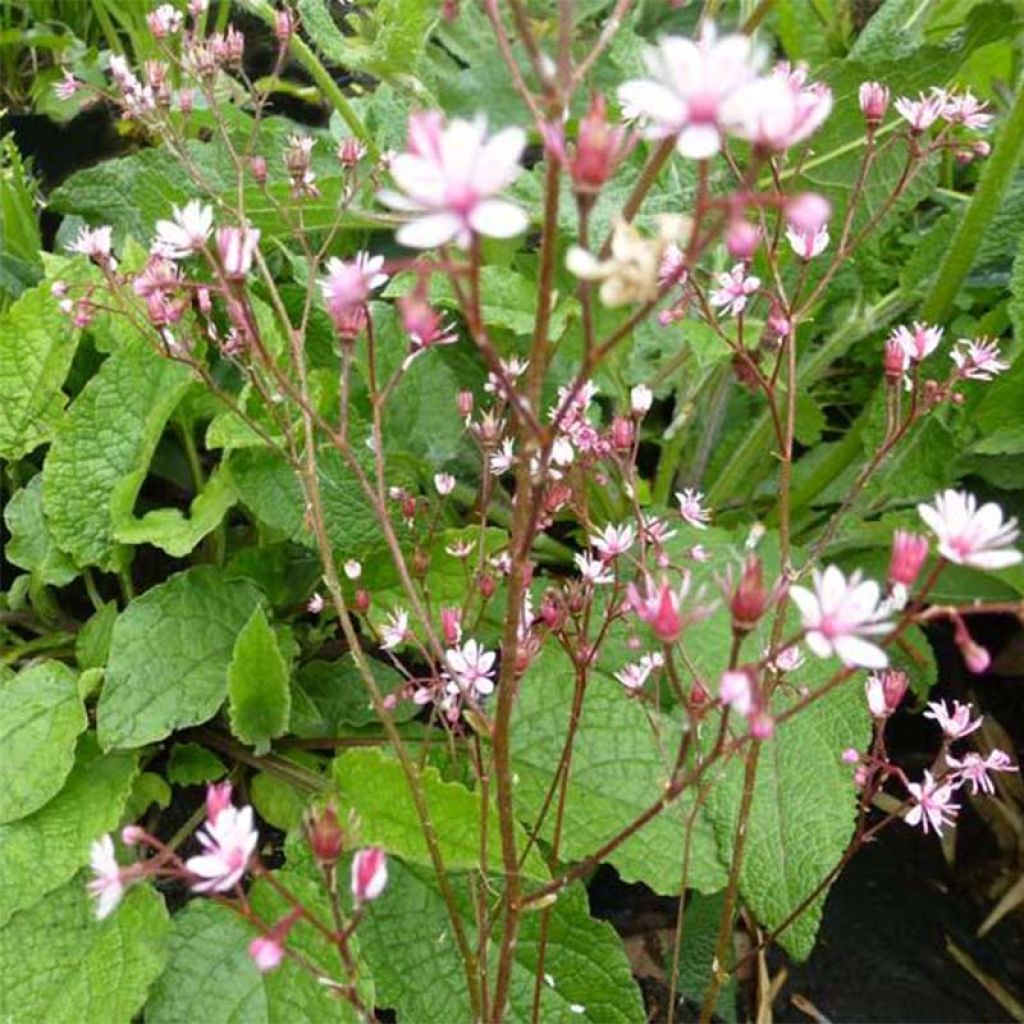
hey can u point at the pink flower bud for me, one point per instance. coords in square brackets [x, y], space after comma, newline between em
[885, 691]
[186, 99]
[326, 839]
[350, 152]
[218, 796]
[851, 756]
[909, 552]
[465, 404]
[369, 874]
[622, 433]
[283, 25]
[236, 247]
[362, 601]
[750, 599]
[451, 625]
[894, 360]
[132, 835]
[599, 147]
[486, 585]
[808, 212]
[874, 101]
[266, 953]
[981, 148]
[762, 725]
[258, 169]
[742, 239]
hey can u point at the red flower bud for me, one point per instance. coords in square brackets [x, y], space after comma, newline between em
[326, 839]
[369, 874]
[750, 599]
[622, 433]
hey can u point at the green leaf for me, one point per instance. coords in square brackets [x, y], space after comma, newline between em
[169, 656]
[330, 695]
[149, 790]
[211, 977]
[41, 716]
[406, 938]
[62, 966]
[258, 693]
[41, 852]
[92, 644]
[618, 771]
[102, 450]
[803, 809]
[372, 785]
[172, 531]
[32, 546]
[193, 765]
[37, 345]
[697, 953]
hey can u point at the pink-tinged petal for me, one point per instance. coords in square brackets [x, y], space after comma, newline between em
[426, 232]
[699, 141]
[498, 218]
[653, 101]
[819, 644]
[498, 165]
[806, 602]
[993, 559]
[418, 178]
[397, 201]
[461, 146]
[852, 650]
[932, 517]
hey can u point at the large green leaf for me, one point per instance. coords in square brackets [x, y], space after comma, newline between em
[32, 546]
[619, 769]
[41, 852]
[41, 716]
[169, 656]
[102, 450]
[210, 977]
[803, 809]
[407, 940]
[37, 345]
[258, 694]
[372, 785]
[62, 966]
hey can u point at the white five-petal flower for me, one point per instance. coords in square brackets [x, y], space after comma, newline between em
[969, 535]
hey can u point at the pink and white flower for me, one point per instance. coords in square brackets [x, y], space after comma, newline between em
[807, 244]
[779, 111]
[266, 953]
[955, 724]
[94, 243]
[659, 607]
[613, 541]
[67, 86]
[734, 288]
[918, 342]
[395, 630]
[504, 459]
[107, 884]
[444, 483]
[874, 101]
[689, 86]
[885, 691]
[932, 805]
[693, 509]
[978, 360]
[736, 691]
[923, 112]
[594, 571]
[164, 21]
[369, 874]
[353, 568]
[640, 399]
[966, 109]
[237, 247]
[450, 176]
[969, 535]
[187, 232]
[348, 285]
[838, 614]
[974, 768]
[634, 675]
[471, 668]
[229, 840]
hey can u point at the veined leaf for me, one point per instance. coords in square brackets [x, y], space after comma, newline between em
[258, 693]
